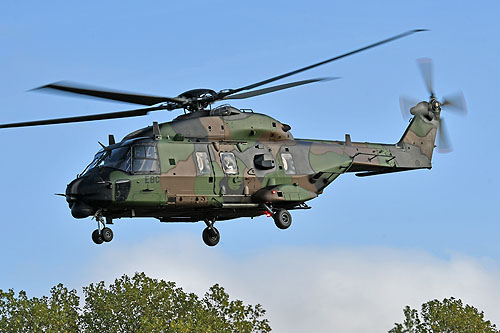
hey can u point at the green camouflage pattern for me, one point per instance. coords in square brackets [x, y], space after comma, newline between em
[273, 168]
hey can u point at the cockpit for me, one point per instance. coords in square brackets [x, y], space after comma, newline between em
[132, 156]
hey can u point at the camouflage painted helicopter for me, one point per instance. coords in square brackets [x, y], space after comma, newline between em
[222, 163]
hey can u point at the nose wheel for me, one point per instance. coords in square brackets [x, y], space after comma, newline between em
[101, 236]
[102, 233]
[210, 235]
[96, 237]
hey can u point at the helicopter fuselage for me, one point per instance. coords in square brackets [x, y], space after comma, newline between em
[225, 163]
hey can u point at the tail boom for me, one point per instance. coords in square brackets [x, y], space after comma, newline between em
[413, 151]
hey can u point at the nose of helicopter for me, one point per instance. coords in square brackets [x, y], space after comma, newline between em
[86, 194]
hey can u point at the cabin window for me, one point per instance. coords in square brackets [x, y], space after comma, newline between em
[288, 163]
[229, 163]
[202, 163]
[145, 159]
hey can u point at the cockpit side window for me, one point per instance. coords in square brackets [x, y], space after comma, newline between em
[145, 159]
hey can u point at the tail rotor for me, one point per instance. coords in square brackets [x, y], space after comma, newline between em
[432, 109]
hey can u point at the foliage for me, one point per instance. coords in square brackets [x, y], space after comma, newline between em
[450, 315]
[56, 313]
[130, 304]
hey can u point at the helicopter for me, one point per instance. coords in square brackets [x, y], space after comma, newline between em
[220, 163]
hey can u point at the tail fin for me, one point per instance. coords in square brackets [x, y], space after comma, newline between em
[421, 133]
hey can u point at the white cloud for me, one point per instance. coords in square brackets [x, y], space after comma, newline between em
[314, 289]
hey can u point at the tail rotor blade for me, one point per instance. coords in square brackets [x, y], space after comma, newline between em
[406, 103]
[433, 108]
[444, 145]
[456, 103]
[425, 66]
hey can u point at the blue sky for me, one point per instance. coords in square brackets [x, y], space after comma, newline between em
[439, 219]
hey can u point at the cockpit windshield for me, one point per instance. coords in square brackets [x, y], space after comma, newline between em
[136, 157]
[117, 158]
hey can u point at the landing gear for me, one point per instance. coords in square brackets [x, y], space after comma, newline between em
[282, 218]
[96, 237]
[210, 235]
[102, 233]
[107, 234]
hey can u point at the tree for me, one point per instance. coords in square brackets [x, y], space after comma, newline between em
[57, 313]
[450, 315]
[130, 304]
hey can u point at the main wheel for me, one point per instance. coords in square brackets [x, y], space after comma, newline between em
[96, 237]
[107, 234]
[282, 218]
[211, 236]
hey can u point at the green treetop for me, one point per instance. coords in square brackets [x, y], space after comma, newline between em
[130, 304]
[448, 316]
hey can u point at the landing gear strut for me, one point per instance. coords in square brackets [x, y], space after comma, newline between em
[210, 235]
[102, 233]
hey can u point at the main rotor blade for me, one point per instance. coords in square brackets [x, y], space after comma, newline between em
[444, 145]
[425, 65]
[110, 115]
[104, 93]
[282, 76]
[455, 102]
[276, 88]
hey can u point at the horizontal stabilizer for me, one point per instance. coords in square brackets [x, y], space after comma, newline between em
[374, 173]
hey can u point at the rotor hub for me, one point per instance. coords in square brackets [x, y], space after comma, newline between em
[435, 105]
[198, 99]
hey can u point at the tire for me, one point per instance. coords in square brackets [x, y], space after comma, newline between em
[96, 237]
[282, 218]
[107, 234]
[211, 236]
